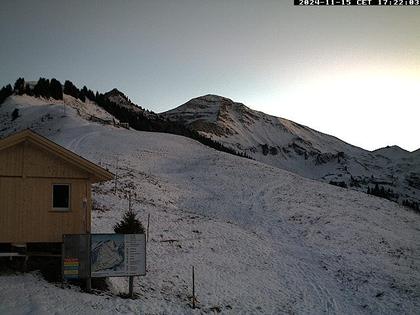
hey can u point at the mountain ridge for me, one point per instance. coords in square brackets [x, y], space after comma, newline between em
[232, 127]
[288, 145]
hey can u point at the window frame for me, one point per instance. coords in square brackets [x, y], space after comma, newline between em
[60, 209]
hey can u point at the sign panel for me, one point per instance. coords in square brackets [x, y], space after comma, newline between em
[116, 255]
[76, 256]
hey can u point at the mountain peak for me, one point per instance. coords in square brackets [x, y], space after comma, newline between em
[209, 107]
[115, 92]
[393, 151]
[213, 98]
[118, 97]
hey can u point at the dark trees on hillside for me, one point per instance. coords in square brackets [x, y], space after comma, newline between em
[383, 193]
[85, 92]
[82, 95]
[5, 92]
[151, 122]
[138, 119]
[356, 183]
[411, 204]
[265, 149]
[28, 90]
[341, 184]
[71, 89]
[19, 86]
[42, 88]
[56, 90]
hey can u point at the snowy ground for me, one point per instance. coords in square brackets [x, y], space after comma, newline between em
[262, 240]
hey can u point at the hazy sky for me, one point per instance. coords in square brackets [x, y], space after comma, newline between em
[353, 72]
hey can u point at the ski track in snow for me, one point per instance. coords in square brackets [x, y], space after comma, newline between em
[262, 240]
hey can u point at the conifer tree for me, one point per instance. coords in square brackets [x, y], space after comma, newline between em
[42, 88]
[90, 95]
[129, 224]
[56, 90]
[5, 92]
[28, 90]
[82, 94]
[71, 89]
[15, 114]
[19, 86]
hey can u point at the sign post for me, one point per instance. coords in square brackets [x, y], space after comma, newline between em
[130, 286]
[193, 288]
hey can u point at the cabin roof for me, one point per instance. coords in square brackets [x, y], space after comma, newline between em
[98, 174]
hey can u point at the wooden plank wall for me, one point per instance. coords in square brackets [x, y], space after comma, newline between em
[27, 173]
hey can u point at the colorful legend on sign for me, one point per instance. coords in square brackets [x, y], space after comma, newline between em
[71, 268]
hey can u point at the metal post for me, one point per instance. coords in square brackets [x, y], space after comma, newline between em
[25, 263]
[89, 279]
[147, 231]
[62, 264]
[193, 288]
[130, 286]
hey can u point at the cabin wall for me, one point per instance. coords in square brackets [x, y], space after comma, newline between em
[27, 173]
[11, 161]
[41, 163]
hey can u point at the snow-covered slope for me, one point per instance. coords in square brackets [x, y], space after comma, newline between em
[297, 148]
[262, 240]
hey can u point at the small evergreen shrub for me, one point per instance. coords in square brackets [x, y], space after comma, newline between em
[129, 224]
[15, 114]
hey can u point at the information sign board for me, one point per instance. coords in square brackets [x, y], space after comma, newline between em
[118, 255]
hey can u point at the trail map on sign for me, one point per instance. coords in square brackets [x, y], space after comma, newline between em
[114, 255]
[108, 254]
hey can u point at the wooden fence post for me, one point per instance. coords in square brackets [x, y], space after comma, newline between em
[193, 288]
[116, 177]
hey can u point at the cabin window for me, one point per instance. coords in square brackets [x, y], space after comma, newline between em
[61, 197]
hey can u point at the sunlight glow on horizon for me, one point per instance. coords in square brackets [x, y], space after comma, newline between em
[367, 104]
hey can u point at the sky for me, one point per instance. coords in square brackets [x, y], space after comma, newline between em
[353, 72]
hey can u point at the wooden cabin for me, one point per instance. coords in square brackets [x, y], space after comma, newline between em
[45, 190]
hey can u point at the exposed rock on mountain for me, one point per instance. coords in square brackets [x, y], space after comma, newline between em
[300, 149]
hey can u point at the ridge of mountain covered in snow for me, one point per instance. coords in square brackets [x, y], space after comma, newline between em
[262, 240]
[300, 149]
[394, 152]
[117, 97]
